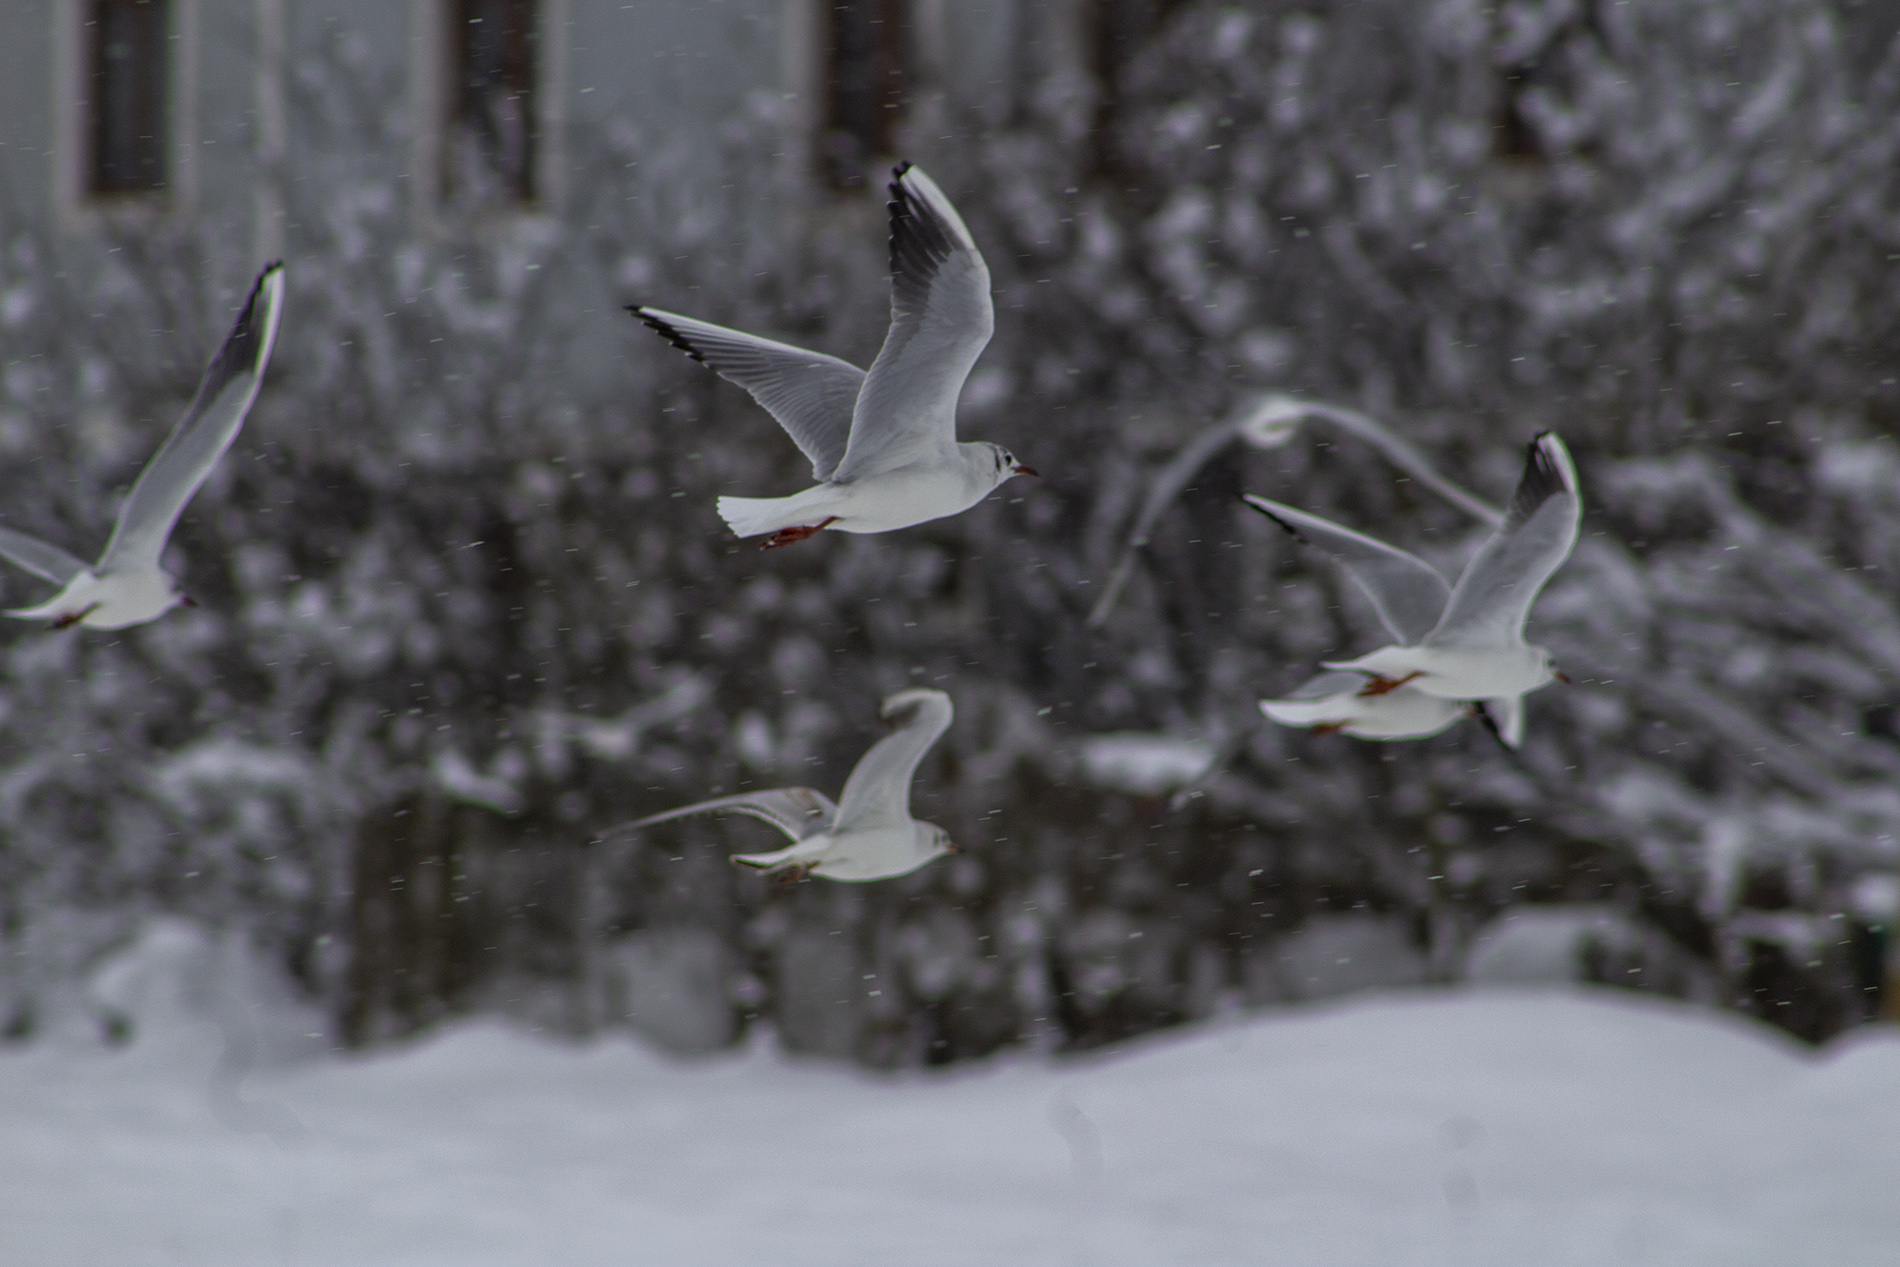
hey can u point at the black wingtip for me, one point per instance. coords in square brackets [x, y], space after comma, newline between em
[257, 289]
[666, 330]
[239, 352]
[897, 172]
[1286, 527]
[920, 241]
[1543, 479]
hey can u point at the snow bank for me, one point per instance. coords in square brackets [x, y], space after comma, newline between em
[1433, 1127]
[1142, 764]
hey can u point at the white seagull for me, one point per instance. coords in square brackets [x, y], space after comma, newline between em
[882, 445]
[1463, 643]
[869, 833]
[127, 586]
[1409, 596]
[1336, 702]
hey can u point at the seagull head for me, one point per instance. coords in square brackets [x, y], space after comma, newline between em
[1004, 466]
[937, 841]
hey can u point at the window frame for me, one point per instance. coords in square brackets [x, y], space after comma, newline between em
[77, 205]
[434, 86]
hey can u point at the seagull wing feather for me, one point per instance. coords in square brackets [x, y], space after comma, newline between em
[811, 394]
[209, 426]
[878, 792]
[1407, 592]
[1174, 477]
[941, 320]
[799, 812]
[38, 557]
[1494, 596]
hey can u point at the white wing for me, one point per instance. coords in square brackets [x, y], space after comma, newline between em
[941, 321]
[1407, 592]
[1491, 600]
[878, 792]
[811, 394]
[38, 557]
[799, 812]
[1270, 422]
[1174, 477]
[224, 396]
[1331, 683]
[1315, 700]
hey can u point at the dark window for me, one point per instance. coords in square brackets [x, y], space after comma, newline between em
[864, 87]
[491, 127]
[126, 97]
[1518, 140]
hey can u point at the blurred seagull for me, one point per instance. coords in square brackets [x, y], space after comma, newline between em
[883, 445]
[127, 586]
[1267, 423]
[1464, 643]
[869, 834]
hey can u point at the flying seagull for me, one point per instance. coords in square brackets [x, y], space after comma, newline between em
[127, 586]
[882, 445]
[1463, 643]
[869, 833]
[1267, 423]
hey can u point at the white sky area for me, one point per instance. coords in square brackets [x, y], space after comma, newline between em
[1468, 1126]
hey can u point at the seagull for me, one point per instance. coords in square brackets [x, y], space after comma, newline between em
[882, 445]
[127, 586]
[1267, 422]
[869, 833]
[1464, 643]
[1336, 702]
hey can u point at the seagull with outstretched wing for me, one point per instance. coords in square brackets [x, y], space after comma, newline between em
[882, 445]
[127, 586]
[869, 833]
[1409, 595]
[1452, 645]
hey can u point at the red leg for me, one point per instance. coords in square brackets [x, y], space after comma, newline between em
[792, 536]
[1377, 685]
[72, 618]
[1329, 727]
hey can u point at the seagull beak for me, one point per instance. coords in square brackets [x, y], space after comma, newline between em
[950, 848]
[1560, 677]
[187, 600]
[1020, 469]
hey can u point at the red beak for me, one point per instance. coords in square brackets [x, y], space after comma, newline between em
[1025, 470]
[189, 601]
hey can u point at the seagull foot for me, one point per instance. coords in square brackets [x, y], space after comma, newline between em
[792, 536]
[1376, 685]
[72, 618]
[785, 877]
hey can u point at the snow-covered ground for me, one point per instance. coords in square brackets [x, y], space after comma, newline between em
[1494, 1126]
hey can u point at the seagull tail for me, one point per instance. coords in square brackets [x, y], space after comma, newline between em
[762, 516]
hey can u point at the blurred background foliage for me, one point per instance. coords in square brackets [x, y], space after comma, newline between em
[465, 605]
